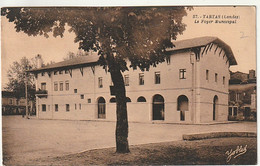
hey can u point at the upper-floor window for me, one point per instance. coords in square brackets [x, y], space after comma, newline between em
[79, 106]
[224, 80]
[126, 79]
[75, 106]
[182, 74]
[43, 86]
[157, 77]
[82, 96]
[216, 77]
[207, 74]
[56, 107]
[55, 86]
[67, 85]
[61, 72]
[168, 60]
[67, 107]
[55, 72]
[100, 82]
[10, 101]
[61, 86]
[141, 79]
[75, 90]
[43, 107]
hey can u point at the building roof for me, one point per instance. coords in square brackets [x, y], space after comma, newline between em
[201, 42]
[7, 94]
[179, 45]
[82, 60]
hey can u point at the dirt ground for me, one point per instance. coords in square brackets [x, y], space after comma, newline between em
[26, 141]
[203, 152]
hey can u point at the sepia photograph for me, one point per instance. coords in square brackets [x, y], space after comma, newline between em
[129, 85]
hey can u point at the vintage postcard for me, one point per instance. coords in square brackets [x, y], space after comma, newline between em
[172, 85]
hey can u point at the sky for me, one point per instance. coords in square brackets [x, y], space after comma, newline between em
[240, 36]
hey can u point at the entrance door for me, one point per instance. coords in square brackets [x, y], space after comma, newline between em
[183, 105]
[215, 102]
[101, 108]
[158, 107]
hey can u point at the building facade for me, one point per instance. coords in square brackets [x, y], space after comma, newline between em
[188, 88]
[242, 96]
[11, 105]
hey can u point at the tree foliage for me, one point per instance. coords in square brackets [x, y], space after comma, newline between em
[72, 55]
[138, 34]
[17, 76]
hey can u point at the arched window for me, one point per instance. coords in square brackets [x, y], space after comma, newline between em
[128, 99]
[141, 99]
[112, 100]
[101, 108]
[183, 105]
[158, 107]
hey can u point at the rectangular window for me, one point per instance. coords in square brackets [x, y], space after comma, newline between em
[168, 60]
[79, 106]
[55, 72]
[43, 107]
[141, 79]
[224, 80]
[230, 111]
[82, 96]
[207, 74]
[61, 72]
[75, 106]
[11, 101]
[75, 90]
[55, 86]
[216, 77]
[235, 111]
[157, 77]
[100, 82]
[89, 100]
[67, 84]
[61, 86]
[126, 79]
[43, 86]
[67, 107]
[182, 74]
[43, 73]
[56, 107]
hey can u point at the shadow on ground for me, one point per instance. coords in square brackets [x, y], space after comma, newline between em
[211, 151]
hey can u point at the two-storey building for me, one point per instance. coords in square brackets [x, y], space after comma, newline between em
[190, 87]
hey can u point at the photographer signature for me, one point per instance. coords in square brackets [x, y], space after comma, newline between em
[235, 153]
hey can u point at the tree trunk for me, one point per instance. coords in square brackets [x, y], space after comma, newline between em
[121, 112]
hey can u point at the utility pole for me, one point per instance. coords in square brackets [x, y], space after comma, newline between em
[26, 97]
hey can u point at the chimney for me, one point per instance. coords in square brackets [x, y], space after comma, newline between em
[39, 61]
[251, 74]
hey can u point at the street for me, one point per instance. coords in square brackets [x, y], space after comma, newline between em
[29, 139]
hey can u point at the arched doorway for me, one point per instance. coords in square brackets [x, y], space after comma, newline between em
[101, 108]
[183, 105]
[158, 107]
[215, 107]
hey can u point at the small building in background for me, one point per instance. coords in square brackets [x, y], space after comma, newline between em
[242, 96]
[11, 105]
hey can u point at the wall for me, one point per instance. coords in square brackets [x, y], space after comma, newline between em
[170, 87]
